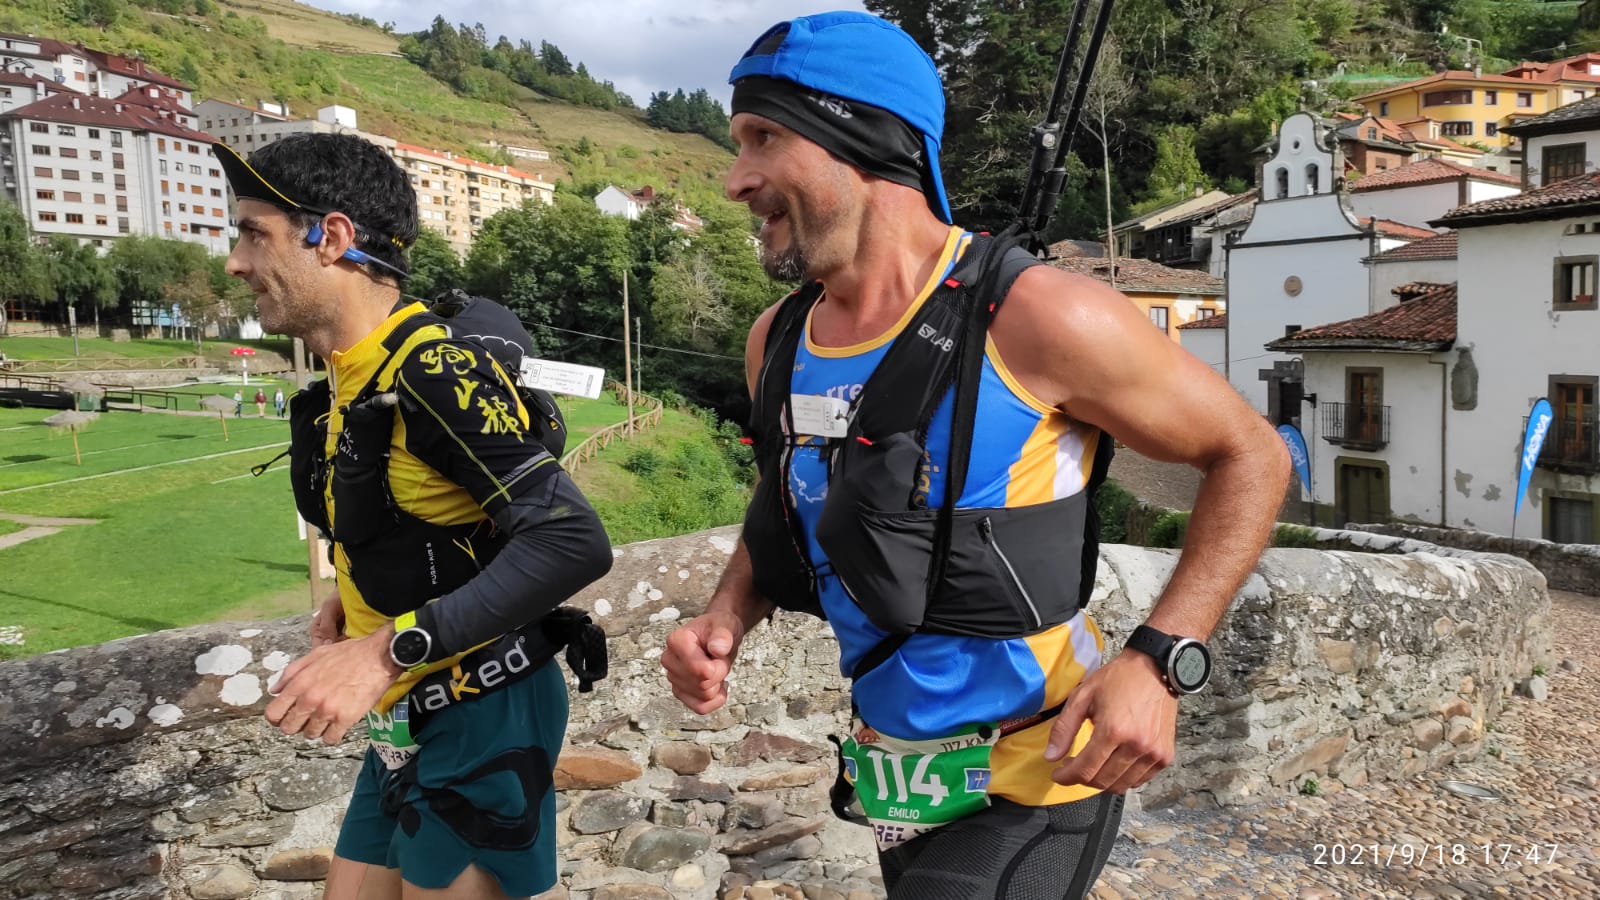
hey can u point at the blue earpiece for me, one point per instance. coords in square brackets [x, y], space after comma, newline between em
[314, 237]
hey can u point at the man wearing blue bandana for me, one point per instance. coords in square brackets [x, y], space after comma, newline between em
[947, 533]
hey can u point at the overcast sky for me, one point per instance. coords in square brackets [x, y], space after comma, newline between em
[641, 46]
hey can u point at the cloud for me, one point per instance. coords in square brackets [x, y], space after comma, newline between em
[641, 46]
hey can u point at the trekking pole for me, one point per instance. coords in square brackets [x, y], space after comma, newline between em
[1052, 137]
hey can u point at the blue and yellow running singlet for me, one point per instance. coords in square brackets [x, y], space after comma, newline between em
[1025, 452]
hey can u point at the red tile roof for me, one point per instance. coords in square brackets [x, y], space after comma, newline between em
[140, 96]
[1440, 246]
[1453, 75]
[1425, 324]
[1414, 289]
[1573, 68]
[17, 79]
[132, 68]
[79, 109]
[1427, 171]
[48, 47]
[1575, 196]
[1220, 320]
[1391, 228]
[1143, 275]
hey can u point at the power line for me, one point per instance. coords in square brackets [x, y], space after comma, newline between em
[619, 340]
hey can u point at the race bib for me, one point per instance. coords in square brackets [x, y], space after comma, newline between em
[908, 788]
[827, 417]
[390, 734]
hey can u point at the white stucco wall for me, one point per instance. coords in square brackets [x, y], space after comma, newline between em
[1411, 205]
[614, 201]
[1479, 191]
[1334, 282]
[1413, 386]
[1534, 157]
[1208, 344]
[1386, 276]
[1518, 341]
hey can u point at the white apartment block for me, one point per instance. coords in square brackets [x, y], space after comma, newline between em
[95, 169]
[457, 194]
[84, 71]
[245, 129]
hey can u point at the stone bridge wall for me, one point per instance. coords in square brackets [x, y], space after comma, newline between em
[142, 768]
[1568, 567]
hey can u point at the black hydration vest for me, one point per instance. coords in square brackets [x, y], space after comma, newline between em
[398, 561]
[990, 572]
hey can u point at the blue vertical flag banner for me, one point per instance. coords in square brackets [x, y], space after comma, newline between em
[1297, 455]
[1532, 441]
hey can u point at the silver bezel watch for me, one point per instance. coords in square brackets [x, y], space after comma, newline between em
[1185, 663]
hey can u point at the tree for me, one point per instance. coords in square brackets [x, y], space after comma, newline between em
[1177, 173]
[688, 301]
[196, 302]
[1109, 92]
[24, 274]
[435, 266]
[78, 275]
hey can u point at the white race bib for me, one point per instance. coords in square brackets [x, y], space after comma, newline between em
[819, 416]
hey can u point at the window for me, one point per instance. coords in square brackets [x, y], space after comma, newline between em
[1380, 164]
[74, 218]
[1283, 182]
[42, 172]
[194, 170]
[1205, 312]
[1491, 97]
[39, 127]
[1574, 284]
[41, 149]
[99, 199]
[1383, 108]
[100, 220]
[66, 131]
[1560, 162]
[69, 174]
[72, 197]
[216, 212]
[194, 148]
[1573, 431]
[122, 224]
[116, 160]
[216, 192]
[94, 134]
[1572, 519]
[1372, 134]
[47, 217]
[122, 203]
[161, 166]
[116, 139]
[249, 139]
[166, 207]
[214, 173]
[96, 155]
[1491, 129]
[69, 152]
[161, 145]
[44, 195]
[119, 182]
[166, 189]
[1455, 129]
[1158, 317]
[1524, 99]
[97, 177]
[1447, 98]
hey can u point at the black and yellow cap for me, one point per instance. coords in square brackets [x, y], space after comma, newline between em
[249, 184]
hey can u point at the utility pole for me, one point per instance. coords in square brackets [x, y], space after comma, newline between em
[638, 353]
[627, 353]
[298, 353]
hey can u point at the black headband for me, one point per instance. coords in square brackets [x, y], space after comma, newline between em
[870, 138]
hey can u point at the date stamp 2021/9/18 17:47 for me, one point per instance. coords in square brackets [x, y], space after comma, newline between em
[1497, 855]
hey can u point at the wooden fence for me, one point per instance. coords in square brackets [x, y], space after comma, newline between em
[103, 364]
[598, 441]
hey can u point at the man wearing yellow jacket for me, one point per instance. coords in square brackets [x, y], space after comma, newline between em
[455, 535]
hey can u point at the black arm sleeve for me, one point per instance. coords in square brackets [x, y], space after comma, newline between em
[461, 419]
[557, 547]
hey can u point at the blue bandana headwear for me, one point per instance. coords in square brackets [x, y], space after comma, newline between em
[862, 58]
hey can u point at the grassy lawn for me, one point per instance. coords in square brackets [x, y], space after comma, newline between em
[9, 527]
[183, 533]
[303, 26]
[91, 348]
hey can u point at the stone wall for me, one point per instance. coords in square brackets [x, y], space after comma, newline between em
[142, 768]
[1567, 567]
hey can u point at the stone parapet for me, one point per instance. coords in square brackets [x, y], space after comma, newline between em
[1568, 567]
[142, 767]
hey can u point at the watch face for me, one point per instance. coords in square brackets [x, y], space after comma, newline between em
[1191, 667]
[410, 647]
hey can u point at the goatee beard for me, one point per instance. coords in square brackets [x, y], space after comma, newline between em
[787, 265]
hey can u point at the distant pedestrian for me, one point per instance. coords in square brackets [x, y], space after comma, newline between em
[277, 402]
[261, 403]
[238, 405]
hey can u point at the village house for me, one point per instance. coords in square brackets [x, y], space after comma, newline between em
[1169, 298]
[1561, 144]
[1467, 105]
[614, 201]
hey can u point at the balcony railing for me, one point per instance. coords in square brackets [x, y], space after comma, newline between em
[1571, 445]
[1356, 426]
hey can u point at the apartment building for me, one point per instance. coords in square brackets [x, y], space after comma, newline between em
[1467, 105]
[245, 129]
[95, 168]
[84, 71]
[457, 194]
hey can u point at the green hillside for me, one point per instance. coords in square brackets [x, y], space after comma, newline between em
[249, 50]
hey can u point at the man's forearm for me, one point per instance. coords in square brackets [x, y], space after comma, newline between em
[736, 593]
[1233, 517]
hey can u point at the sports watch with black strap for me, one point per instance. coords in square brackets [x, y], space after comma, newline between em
[1185, 663]
[412, 647]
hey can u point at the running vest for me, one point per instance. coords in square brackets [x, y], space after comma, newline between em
[994, 572]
